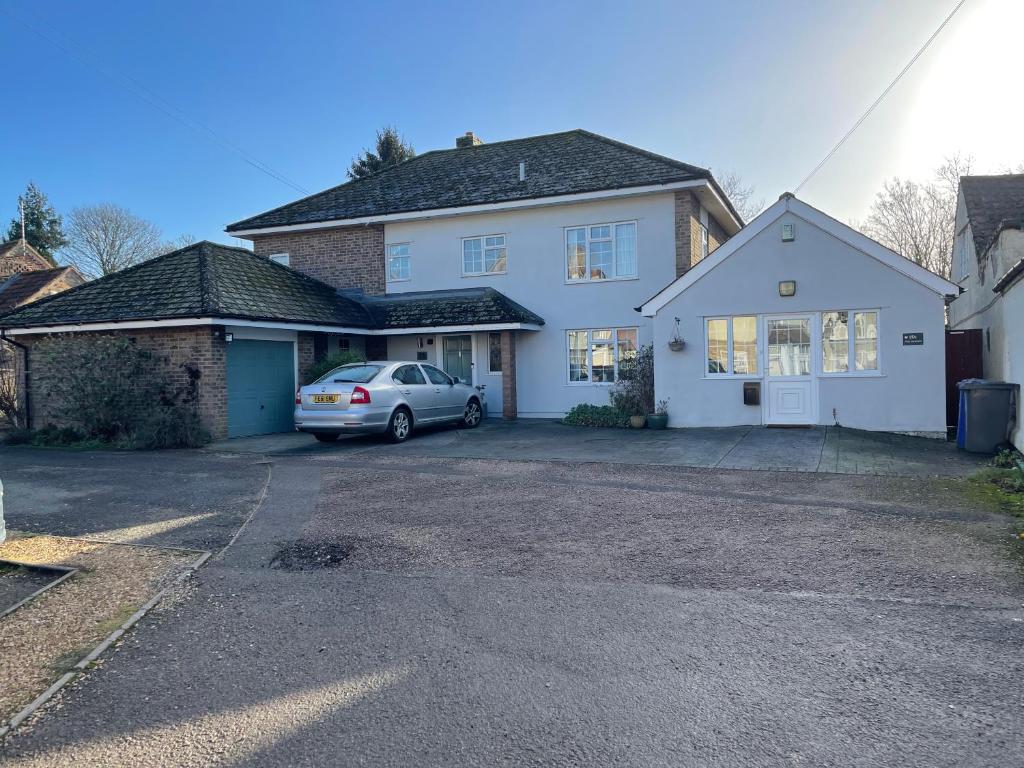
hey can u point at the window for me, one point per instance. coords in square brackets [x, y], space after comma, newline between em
[494, 353]
[731, 346]
[436, 375]
[485, 255]
[398, 262]
[408, 374]
[280, 258]
[358, 372]
[594, 355]
[601, 251]
[704, 241]
[843, 351]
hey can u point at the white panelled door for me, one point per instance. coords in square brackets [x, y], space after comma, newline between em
[791, 386]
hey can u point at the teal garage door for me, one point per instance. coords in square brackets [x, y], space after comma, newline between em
[261, 387]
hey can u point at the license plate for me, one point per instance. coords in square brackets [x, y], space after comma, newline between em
[325, 398]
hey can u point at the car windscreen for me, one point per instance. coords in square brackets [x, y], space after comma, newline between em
[358, 374]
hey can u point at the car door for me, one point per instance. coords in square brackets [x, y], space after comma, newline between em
[451, 401]
[414, 388]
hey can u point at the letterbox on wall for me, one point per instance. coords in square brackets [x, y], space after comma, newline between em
[751, 392]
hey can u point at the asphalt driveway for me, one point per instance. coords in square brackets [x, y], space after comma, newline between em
[817, 449]
[403, 609]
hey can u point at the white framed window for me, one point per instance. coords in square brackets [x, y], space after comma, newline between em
[494, 352]
[601, 252]
[730, 346]
[280, 258]
[849, 341]
[398, 262]
[484, 255]
[595, 354]
[705, 243]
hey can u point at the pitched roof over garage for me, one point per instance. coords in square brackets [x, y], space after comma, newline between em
[211, 281]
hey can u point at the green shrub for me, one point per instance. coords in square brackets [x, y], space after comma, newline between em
[633, 393]
[53, 435]
[174, 425]
[586, 415]
[329, 363]
[18, 437]
[1008, 458]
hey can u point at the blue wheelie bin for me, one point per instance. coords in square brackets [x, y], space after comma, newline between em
[988, 410]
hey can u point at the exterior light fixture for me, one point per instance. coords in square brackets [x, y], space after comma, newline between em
[787, 288]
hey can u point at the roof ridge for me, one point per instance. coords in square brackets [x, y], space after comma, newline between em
[646, 153]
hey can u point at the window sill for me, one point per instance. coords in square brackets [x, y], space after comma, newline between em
[484, 274]
[398, 280]
[592, 281]
[863, 375]
[590, 384]
[732, 377]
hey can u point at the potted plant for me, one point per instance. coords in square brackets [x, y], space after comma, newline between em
[659, 419]
[676, 343]
[637, 421]
[633, 393]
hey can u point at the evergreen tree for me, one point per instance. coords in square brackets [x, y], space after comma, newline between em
[43, 226]
[391, 150]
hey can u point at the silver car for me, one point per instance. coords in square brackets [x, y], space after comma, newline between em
[391, 397]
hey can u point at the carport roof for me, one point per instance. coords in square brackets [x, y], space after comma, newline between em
[212, 281]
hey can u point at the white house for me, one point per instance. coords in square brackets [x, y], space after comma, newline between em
[801, 320]
[988, 265]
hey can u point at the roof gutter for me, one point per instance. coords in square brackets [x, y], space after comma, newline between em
[511, 205]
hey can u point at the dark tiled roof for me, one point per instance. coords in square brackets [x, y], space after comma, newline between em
[556, 164]
[993, 203]
[10, 245]
[463, 306]
[211, 280]
[22, 286]
[1011, 276]
[202, 280]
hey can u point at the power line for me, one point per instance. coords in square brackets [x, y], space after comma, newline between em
[884, 93]
[140, 91]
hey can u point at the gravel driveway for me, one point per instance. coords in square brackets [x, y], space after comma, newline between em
[461, 612]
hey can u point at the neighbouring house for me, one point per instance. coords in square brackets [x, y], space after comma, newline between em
[513, 265]
[801, 320]
[988, 265]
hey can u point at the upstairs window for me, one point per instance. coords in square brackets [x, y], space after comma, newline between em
[398, 262]
[486, 255]
[601, 251]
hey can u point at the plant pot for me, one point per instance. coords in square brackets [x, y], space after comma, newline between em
[676, 345]
[637, 422]
[657, 421]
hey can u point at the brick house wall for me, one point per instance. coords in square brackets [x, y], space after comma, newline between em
[173, 349]
[346, 257]
[688, 246]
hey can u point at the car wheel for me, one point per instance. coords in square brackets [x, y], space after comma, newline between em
[400, 426]
[472, 416]
[326, 437]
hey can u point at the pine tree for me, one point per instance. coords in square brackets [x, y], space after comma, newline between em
[43, 226]
[391, 150]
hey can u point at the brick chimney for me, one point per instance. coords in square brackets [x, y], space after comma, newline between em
[469, 140]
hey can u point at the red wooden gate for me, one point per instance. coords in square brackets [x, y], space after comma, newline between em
[963, 361]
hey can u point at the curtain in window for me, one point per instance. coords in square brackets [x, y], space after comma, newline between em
[718, 346]
[625, 250]
[865, 348]
[576, 253]
[578, 356]
[835, 342]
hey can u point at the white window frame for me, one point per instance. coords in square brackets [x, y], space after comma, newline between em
[705, 239]
[487, 341]
[851, 345]
[483, 254]
[280, 258]
[758, 346]
[586, 269]
[590, 354]
[387, 263]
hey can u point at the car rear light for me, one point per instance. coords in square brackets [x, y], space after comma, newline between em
[359, 395]
[298, 397]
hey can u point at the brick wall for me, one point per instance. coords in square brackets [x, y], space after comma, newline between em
[509, 400]
[688, 245]
[307, 354]
[16, 260]
[347, 257]
[172, 348]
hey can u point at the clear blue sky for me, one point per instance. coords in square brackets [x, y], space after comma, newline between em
[760, 88]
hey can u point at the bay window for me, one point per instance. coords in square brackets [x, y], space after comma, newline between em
[595, 355]
[846, 347]
[731, 346]
[601, 251]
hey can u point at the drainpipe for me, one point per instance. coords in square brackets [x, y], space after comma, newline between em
[28, 395]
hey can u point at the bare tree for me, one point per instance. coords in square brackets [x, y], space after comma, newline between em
[11, 410]
[741, 195]
[181, 241]
[917, 219]
[106, 238]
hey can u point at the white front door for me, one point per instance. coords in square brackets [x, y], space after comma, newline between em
[791, 388]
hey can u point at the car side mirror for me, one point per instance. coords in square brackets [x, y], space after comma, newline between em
[455, 380]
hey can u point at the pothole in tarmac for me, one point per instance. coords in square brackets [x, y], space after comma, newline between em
[311, 555]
